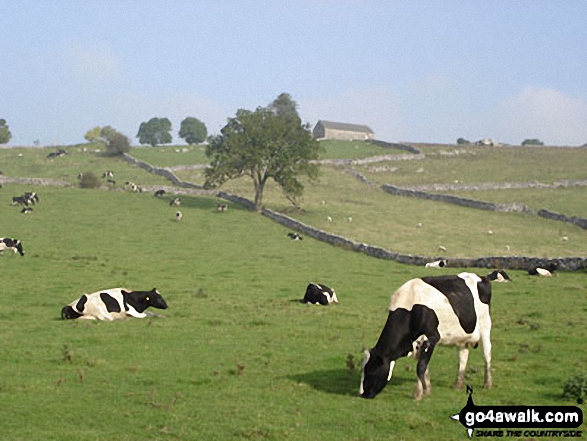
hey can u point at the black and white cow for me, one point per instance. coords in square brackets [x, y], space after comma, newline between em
[437, 264]
[113, 304]
[425, 312]
[544, 270]
[11, 244]
[295, 236]
[319, 295]
[499, 276]
[160, 193]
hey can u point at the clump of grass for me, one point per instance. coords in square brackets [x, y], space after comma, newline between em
[576, 387]
[201, 294]
[350, 364]
[66, 354]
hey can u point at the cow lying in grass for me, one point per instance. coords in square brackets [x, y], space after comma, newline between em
[425, 312]
[113, 304]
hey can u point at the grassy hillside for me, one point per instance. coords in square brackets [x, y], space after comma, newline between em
[391, 222]
[237, 356]
[475, 164]
[33, 163]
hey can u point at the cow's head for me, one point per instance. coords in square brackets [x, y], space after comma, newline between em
[376, 374]
[18, 247]
[154, 299]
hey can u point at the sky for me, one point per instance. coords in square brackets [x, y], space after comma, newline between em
[414, 71]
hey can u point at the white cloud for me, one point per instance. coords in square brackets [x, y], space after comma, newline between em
[543, 113]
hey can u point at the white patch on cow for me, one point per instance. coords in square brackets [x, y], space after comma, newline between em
[391, 366]
[365, 361]
[543, 272]
[416, 291]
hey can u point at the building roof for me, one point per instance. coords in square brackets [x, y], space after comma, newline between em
[344, 126]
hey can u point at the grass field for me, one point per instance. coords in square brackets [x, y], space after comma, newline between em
[572, 201]
[391, 222]
[237, 356]
[475, 164]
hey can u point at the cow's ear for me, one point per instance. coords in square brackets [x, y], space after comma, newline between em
[124, 292]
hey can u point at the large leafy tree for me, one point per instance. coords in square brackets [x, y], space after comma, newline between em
[263, 144]
[155, 131]
[193, 130]
[5, 134]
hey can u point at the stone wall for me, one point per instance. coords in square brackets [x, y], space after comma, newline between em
[465, 202]
[34, 181]
[579, 221]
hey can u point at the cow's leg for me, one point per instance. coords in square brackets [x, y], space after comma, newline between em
[427, 387]
[485, 340]
[422, 368]
[463, 358]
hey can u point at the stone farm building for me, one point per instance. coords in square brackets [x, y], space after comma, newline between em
[342, 131]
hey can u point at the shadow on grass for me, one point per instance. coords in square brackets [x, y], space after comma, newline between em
[335, 381]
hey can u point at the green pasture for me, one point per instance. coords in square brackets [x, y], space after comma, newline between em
[392, 222]
[571, 201]
[237, 356]
[33, 163]
[482, 164]
[169, 156]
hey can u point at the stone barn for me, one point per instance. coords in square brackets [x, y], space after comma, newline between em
[342, 131]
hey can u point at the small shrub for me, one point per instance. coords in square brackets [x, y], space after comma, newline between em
[89, 180]
[576, 387]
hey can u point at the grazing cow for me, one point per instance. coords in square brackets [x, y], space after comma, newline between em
[222, 207]
[26, 210]
[437, 264]
[108, 174]
[113, 304]
[178, 215]
[295, 236]
[11, 244]
[424, 312]
[175, 202]
[544, 270]
[499, 276]
[160, 193]
[319, 295]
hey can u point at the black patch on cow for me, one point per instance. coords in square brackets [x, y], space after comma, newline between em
[81, 303]
[111, 303]
[68, 313]
[403, 327]
[484, 289]
[460, 298]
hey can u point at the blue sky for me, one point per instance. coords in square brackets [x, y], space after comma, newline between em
[420, 71]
